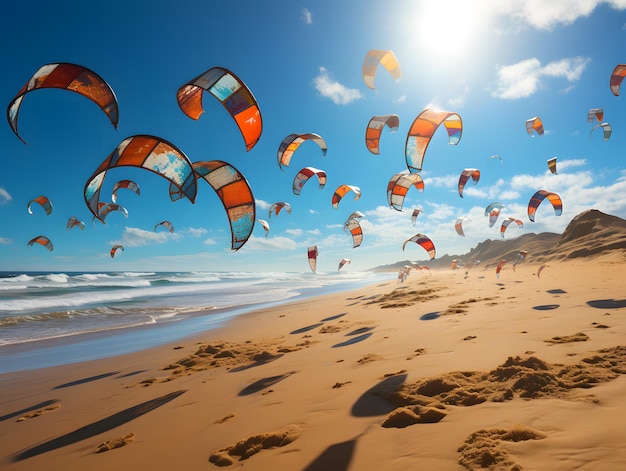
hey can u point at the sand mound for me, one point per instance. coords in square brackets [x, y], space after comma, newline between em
[527, 378]
[250, 446]
[115, 443]
[483, 450]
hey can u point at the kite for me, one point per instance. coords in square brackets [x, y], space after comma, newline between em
[538, 197]
[343, 262]
[74, 78]
[166, 224]
[303, 176]
[265, 225]
[499, 268]
[150, 153]
[355, 215]
[385, 58]
[312, 256]
[422, 130]
[490, 207]
[424, 242]
[534, 124]
[399, 185]
[105, 208]
[44, 202]
[74, 222]
[128, 184]
[466, 174]
[415, 214]
[291, 143]
[508, 221]
[606, 127]
[521, 256]
[354, 227]
[375, 128]
[617, 76]
[341, 191]
[595, 114]
[458, 225]
[493, 216]
[496, 157]
[42, 240]
[235, 193]
[232, 93]
[540, 270]
[115, 248]
[552, 165]
[277, 207]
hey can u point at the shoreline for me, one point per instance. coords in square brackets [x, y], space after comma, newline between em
[61, 350]
[332, 382]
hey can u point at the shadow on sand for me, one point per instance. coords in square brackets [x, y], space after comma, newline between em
[86, 380]
[430, 316]
[336, 457]
[607, 303]
[305, 329]
[371, 404]
[260, 359]
[556, 291]
[546, 307]
[353, 340]
[98, 427]
[332, 318]
[264, 383]
[41, 405]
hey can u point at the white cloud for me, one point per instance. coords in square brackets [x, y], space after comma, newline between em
[209, 241]
[5, 197]
[526, 77]
[306, 16]
[338, 93]
[135, 237]
[262, 204]
[272, 244]
[4, 240]
[294, 232]
[194, 232]
[545, 15]
[400, 99]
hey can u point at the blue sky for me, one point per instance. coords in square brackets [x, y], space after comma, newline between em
[496, 64]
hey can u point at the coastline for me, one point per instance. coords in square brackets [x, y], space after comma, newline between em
[328, 382]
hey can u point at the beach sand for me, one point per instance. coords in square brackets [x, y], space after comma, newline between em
[445, 371]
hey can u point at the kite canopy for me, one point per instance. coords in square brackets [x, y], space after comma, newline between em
[552, 165]
[291, 143]
[424, 242]
[458, 225]
[303, 176]
[166, 224]
[595, 114]
[617, 76]
[538, 197]
[235, 193]
[312, 256]
[151, 153]
[128, 184]
[399, 186]
[606, 127]
[42, 240]
[375, 128]
[508, 221]
[65, 76]
[415, 214]
[43, 201]
[385, 58]
[499, 268]
[422, 130]
[466, 174]
[74, 222]
[115, 248]
[354, 227]
[341, 191]
[232, 93]
[534, 124]
[278, 207]
[343, 262]
[265, 225]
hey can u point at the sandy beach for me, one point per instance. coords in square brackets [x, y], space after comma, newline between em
[446, 371]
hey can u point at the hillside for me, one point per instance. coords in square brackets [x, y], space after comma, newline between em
[591, 233]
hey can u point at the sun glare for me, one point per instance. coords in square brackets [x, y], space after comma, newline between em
[447, 29]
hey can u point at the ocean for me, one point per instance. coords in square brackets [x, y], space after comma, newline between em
[49, 319]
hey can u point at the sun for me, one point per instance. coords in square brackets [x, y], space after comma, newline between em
[448, 29]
